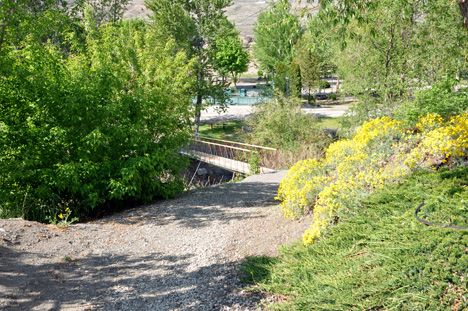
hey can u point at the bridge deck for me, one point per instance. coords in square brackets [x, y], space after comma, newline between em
[228, 164]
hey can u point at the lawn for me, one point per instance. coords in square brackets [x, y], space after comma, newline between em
[228, 130]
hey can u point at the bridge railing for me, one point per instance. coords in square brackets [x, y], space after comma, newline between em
[239, 152]
[268, 156]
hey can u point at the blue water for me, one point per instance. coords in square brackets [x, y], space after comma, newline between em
[237, 100]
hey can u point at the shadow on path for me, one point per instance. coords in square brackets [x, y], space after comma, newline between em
[116, 283]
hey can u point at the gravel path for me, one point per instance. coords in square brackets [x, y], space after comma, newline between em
[180, 254]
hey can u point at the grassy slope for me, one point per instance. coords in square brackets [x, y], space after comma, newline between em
[381, 259]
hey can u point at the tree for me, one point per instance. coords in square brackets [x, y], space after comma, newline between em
[463, 4]
[230, 56]
[295, 80]
[309, 68]
[195, 26]
[280, 80]
[394, 48]
[344, 10]
[95, 128]
[276, 32]
[107, 10]
[41, 19]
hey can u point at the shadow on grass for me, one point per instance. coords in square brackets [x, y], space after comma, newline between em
[257, 269]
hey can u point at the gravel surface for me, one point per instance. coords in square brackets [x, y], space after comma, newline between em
[180, 254]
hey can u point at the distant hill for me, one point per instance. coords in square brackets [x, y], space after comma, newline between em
[243, 12]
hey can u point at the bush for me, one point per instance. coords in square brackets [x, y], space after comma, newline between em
[324, 84]
[99, 128]
[280, 123]
[382, 151]
[332, 96]
[441, 99]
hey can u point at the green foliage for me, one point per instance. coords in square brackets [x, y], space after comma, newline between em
[230, 56]
[280, 79]
[324, 84]
[104, 11]
[287, 80]
[332, 96]
[96, 128]
[280, 123]
[276, 32]
[309, 68]
[295, 81]
[397, 48]
[441, 98]
[381, 258]
[254, 163]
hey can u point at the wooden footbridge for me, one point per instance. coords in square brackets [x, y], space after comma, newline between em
[232, 156]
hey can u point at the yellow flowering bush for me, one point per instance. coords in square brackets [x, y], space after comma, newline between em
[382, 151]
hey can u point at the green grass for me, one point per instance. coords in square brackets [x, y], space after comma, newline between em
[382, 258]
[230, 130]
[330, 123]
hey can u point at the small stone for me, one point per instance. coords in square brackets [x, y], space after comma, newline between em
[202, 171]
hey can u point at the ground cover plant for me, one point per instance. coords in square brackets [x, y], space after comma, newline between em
[383, 151]
[381, 258]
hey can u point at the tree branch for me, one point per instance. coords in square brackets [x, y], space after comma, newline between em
[463, 4]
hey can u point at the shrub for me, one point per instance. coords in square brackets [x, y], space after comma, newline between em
[332, 96]
[441, 98]
[382, 151]
[99, 128]
[324, 84]
[280, 123]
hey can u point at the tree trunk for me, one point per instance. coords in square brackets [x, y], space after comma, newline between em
[234, 78]
[464, 11]
[197, 113]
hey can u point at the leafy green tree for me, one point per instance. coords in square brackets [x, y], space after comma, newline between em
[195, 26]
[309, 68]
[295, 80]
[230, 56]
[344, 11]
[280, 79]
[44, 20]
[276, 32]
[96, 128]
[398, 48]
[107, 10]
